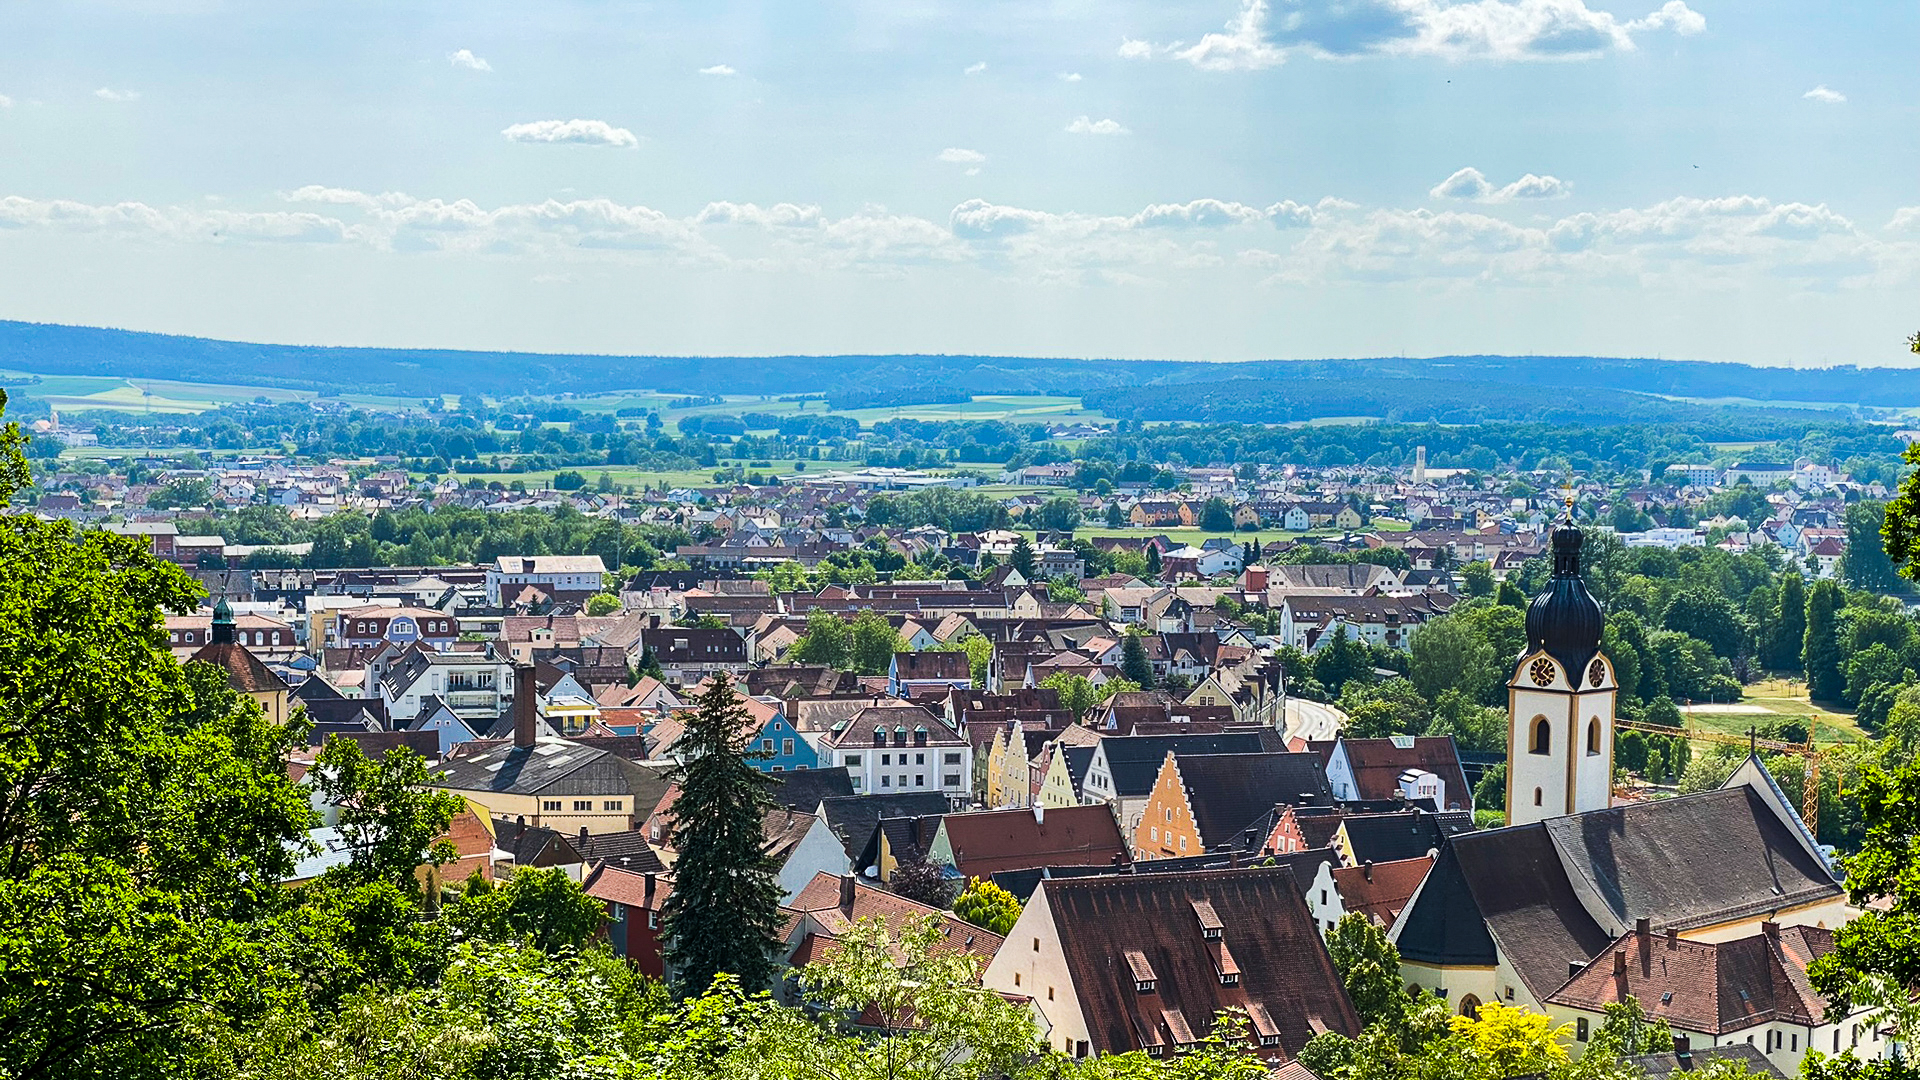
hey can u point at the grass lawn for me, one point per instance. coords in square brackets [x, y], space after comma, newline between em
[1780, 698]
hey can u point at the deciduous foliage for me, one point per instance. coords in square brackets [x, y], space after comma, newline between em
[544, 909]
[1876, 957]
[725, 906]
[1369, 967]
[1825, 680]
[987, 906]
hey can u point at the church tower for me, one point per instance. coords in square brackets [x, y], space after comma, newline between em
[1560, 700]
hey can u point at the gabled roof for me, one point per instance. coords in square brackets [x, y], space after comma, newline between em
[821, 901]
[549, 767]
[1378, 763]
[1134, 760]
[1286, 978]
[1380, 890]
[1709, 987]
[989, 841]
[1229, 792]
[245, 672]
[1408, 834]
[853, 818]
[803, 789]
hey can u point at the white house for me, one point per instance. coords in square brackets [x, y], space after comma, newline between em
[549, 573]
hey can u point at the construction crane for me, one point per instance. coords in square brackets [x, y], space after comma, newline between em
[1810, 794]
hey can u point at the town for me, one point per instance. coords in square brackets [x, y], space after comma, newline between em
[1157, 746]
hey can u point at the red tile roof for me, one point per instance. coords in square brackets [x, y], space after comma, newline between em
[1380, 890]
[990, 841]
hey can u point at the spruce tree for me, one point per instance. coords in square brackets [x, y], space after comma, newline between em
[1825, 681]
[1153, 560]
[1790, 633]
[1134, 664]
[724, 910]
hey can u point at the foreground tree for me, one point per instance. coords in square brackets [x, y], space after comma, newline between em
[988, 906]
[1875, 962]
[1369, 967]
[146, 819]
[724, 910]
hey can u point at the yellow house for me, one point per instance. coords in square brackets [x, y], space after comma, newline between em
[1348, 518]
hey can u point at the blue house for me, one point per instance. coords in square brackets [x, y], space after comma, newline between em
[790, 751]
[438, 717]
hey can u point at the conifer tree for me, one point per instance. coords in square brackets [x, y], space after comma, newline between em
[1825, 681]
[1134, 664]
[724, 910]
[1790, 631]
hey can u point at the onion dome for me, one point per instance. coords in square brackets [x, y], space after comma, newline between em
[1565, 619]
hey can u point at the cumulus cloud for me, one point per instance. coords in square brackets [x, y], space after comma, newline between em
[464, 58]
[1449, 29]
[1471, 185]
[1244, 46]
[718, 69]
[5, 102]
[107, 93]
[1069, 76]
[1084, 125]
[975, 68]
[1824, 95]
[1727, 242]
[584, 132]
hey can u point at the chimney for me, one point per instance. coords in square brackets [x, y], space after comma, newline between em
[1575, 967]
[650, 879]
[1643, 933]
[846, 894]
[1673, 938]
[1771, 929]
[1039, 813]
[526, 723]
[1683, 1052]
[1366, 869]
[1620, 974]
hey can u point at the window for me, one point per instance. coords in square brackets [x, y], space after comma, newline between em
[853, 760]
[1016, 978]
[1049, 993]
[1593, 737]
[786, 747]
[766, 745]
[1542, 737]
[953, 779]
[1229, 978]
[1036, 944]
[613, 804]
[919, 759]
[550, 804]
[1580, 1029]
[1536, 796]
[1154, 833]
[618, 910]
[886, 780]
[919, 779]
[580, 805]
[952, 757]
[886, 759]
[1469, 1006]
[1183, 843]
[653, 920]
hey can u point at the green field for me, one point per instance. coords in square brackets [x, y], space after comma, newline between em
[1779, 698]
[144, 395]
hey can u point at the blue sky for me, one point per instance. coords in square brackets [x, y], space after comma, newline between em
[1213, 179]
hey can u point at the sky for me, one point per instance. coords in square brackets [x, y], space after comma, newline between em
[1186, 179]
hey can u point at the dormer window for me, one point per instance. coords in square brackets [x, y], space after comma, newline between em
[1211, 928]
[1144, 980]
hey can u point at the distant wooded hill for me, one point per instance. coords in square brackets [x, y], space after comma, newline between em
[1449, 388]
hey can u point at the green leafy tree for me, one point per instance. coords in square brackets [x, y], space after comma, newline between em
[1369, 967]
[1476, 578]
[602, 603]
[1707, 614]
[828, 640]
[1216, 516]
[541, 909]
[389, 817]
[146, 819]
[1448, 655]
[1134, 663]
[724, 910]
[1875, 961]
[1825, 679]
[1341, 661]
[987, 906]
[1865, 564]
[871, 643]
[1059, 514]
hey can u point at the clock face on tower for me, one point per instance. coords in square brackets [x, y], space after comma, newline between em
[1541, 672]
[1597, 672]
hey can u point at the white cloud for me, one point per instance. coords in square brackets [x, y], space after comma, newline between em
[5, 102]
[1825, 96]
[1726, 243]
[1085, 125]
[1449, 29]
[107, 93]
[975, 68]
[718, 69]
[1244, 47]
[1069, 76]
[464, 58]
[1471, 184]
[584, 132]
[954, 155]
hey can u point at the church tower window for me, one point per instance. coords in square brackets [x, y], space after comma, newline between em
[1542, 742]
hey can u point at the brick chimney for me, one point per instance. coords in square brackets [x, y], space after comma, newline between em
[846, 894]
[1683, 1052]
[1643, 933]
[650, 879]
[526, 723]
[1771, 929]
[1673, 938]
[1620, 974]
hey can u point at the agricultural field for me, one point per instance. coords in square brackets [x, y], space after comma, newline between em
[1770, 700]
[73, 392]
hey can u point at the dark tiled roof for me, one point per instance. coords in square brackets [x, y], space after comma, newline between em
[1285, 971]
[854, 818]
[1409, 834]
[1644, 860]
[989, 841]
[803, 789]
[552, 767]
[1134, 761]
[1229, 792]
[1668, 1063]
[1707, 987]
[1378, 763]
[375, 744]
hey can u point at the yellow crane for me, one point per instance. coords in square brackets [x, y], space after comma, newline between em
[1809, 796]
